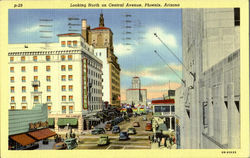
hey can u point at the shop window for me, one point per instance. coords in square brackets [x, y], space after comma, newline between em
[23, 89]
[63, 68]
[70, 67]
[63, 77]
[23, 79]
[70, 109]
[34, 58]
[12, 107]
[24, 107]
[48, 68]
[11, 69]
[35, 68]
[64, 109]
[63, 88]
[23, 69]
[48, 78]
[48, 58]
[63, 43]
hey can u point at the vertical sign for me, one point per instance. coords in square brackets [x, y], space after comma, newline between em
[84, 83]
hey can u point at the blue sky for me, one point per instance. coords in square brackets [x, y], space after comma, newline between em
[137, 59]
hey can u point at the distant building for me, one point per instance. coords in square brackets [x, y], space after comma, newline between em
[208, 105]
[136, 95]
[101, 38]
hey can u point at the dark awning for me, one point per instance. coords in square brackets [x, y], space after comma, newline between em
[22, 139]
[51, 121]
[65, 121]
[42, 134]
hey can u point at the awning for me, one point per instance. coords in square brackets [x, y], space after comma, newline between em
[22, 139]
[51, 121]
[42, 134]
[65, 121]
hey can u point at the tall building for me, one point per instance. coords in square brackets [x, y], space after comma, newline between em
[67, 76]
[102, 39]
[136, 95]
[208, 105]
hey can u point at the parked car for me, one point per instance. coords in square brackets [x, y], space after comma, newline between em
[60, 146]
[108, 126]
[71, 143]
[116, 129]
[136, 124]
[123, 136]
[98, 131]
[148, 127]
[103, 140]
[131, 131]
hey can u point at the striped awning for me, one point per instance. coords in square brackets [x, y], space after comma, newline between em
[23, 139]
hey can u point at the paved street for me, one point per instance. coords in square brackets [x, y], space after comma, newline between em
[138, 141]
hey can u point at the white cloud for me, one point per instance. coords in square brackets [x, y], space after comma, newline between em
[33, 28]
[122, 50]
[167, 38]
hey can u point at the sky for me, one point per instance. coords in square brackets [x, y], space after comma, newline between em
[135, 51]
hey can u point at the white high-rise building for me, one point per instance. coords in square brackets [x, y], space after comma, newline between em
[65, 75]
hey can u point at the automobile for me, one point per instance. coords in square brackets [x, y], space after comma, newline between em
[60, 146]
[116, 129]
[136, 124]
[71, 143]
[98, 131]
[103, 140]
[144, 118]
[45, 141]
[148, 127]
[108, 126]
[123, 136]
[131, 131]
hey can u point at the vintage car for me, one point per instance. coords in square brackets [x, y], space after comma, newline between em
[71, 143]
[116, 129]
[148, 127]
[103, 140]
[98, 131]
[131, 131]
[123, 136]
[136, 124]
[60, 146]
[108, 126]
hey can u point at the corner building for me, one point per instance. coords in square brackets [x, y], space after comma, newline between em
[101, 38]
[67, 76]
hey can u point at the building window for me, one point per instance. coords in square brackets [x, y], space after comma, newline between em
[63, 68]
[34, 58]
[48, 88]
[63, 57]
[205, 114]
[11, 69]
[23, 99]
[69, 57]
[63, 43]
[35, 68]
[48, 78]
[48, 98]
[47, 58]
[70, 77]
[49, 109]
[74, 43]
[63, 77]
[70, 87]
[64, 109]
[48, 68]
[70, 67]
[12, 107]
[35, 78]
[23, 58]
[12, 89]
[23, 69]
[11, 59]
[71, 98]
[12, 99]
[63, 88]
[24, 107]
[23, 89]
[236, 16]
[12, 79]
[36, 99]
[172, 108]
[69, 43]
[64, 98]
[36, 89]
[23, 79]
[70, 109]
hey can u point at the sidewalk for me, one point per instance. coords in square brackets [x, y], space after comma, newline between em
[162, 147]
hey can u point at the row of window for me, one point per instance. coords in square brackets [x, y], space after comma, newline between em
[69, 43]
[36, 98]
[48, 58]
[48, 68]
[48, 78]
[12, 88]
[95, 74]
[71, 108]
